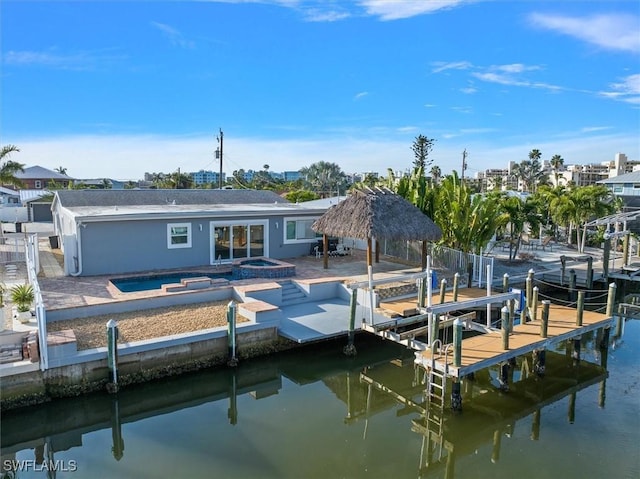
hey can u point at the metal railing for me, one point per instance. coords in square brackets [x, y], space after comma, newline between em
[443, 259]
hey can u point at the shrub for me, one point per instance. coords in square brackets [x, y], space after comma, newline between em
[23, 296]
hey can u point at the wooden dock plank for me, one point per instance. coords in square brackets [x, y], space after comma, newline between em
[409, 306]
[485, 350]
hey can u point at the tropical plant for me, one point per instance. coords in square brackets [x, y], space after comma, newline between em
[22, 295]
[556, 163]
[520, 213]
[9, 168]
[436, 174]
[324, 178]
[468, 221]
[61, 169]
[530, 172]
[300, 196]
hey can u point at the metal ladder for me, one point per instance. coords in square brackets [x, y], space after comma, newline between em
[436, 390]
[437, 381]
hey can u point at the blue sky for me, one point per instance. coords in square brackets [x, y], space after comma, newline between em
[116, 89]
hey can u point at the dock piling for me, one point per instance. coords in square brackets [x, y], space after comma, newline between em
[112, 355]
[572, 285]
[505, 283]
[611, 298]
[580, 308]
[443, 289]
[590, 272]
[544, 324]
[456, 397]
[350, 348]
[505, 327]
[534, 304]
[456, 280]
[231, 333]
[457, 343]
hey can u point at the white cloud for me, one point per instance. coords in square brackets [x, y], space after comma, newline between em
[82, 60]
[398, 9]
[444, 66]
[317, 15]
[510, 75]
[608, 31]
[175, 37]
[627, 90]
[360, 95]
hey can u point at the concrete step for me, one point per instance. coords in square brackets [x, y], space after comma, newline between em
[291, 294]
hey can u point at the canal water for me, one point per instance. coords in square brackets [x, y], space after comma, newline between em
[314, 413]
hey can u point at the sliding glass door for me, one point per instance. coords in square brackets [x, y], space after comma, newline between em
[238, 240]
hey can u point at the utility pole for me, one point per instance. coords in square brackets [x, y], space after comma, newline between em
[464, 162]
[220, 139]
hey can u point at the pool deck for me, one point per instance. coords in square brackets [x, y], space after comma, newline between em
[303, 322]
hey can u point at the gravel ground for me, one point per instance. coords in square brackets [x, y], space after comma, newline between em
[147, 324]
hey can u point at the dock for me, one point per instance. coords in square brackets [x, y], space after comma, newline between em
[487, 330]
[482, 351]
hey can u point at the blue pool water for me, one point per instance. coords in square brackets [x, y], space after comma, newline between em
[150, 282]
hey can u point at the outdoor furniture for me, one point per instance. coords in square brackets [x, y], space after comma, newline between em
[525, 241]
[545, 243]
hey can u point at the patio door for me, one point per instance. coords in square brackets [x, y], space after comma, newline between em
[236, 240]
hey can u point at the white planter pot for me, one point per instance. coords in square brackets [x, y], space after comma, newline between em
[22, 316]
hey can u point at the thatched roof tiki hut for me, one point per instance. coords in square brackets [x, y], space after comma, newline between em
[377, 214]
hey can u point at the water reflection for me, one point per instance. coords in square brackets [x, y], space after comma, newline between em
[382, 379]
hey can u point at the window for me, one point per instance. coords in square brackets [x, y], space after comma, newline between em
[179, 235]
[37, 184]
[298, 230]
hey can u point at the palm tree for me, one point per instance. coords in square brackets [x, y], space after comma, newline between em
[9, 168]
[324, 178]
[520, 214]
[556, 163]
[535, 155]
[61, 169]
[530, 172]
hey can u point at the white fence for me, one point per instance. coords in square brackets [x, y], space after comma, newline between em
[33, 265]
[13, 214]
[468, 265]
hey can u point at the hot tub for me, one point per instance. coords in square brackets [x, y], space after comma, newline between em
[261, 267]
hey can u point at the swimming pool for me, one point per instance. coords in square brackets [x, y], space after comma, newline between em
[150, 282]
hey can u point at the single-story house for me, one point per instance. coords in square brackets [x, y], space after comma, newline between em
[9, 197]
[124, 231]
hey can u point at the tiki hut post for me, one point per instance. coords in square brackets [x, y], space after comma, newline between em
[423, 264]
[325, 251]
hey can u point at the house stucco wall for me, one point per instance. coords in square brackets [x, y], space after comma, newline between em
[117, 247]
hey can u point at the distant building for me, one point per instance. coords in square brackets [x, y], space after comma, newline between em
[39, 178]
[574, 174]
[206, 177]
